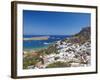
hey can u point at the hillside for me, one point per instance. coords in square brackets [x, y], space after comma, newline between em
[81, 37]
[85, 32]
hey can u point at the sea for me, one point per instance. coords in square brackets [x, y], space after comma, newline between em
[39, 44]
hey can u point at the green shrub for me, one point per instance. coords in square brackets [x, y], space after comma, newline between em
[28, 61]
[58, 64]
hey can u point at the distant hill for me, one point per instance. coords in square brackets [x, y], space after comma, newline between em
[85, 32]
[81, 37]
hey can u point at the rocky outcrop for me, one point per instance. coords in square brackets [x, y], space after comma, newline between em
[80, 37]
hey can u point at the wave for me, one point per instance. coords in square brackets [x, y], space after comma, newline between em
[46, 43]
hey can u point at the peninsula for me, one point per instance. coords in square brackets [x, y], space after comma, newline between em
[37, 38]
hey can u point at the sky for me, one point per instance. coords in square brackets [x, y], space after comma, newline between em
[54, 23]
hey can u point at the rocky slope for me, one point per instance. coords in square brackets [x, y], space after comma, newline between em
[80, 37]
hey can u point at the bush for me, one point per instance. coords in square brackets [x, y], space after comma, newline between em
[58, 64]
[51, 49]
[28, 61]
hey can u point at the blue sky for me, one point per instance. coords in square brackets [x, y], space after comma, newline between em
[54, 23]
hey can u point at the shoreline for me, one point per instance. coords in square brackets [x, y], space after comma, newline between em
[34, 49]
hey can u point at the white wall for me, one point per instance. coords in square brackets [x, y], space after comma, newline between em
[5, 43]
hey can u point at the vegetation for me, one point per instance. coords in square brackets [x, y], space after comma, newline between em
[51, 49]
[58, 64]
[30, 60]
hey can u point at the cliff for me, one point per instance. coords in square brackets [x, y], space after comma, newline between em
[81, 37]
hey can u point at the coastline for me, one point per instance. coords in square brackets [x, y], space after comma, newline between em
[37, 48]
